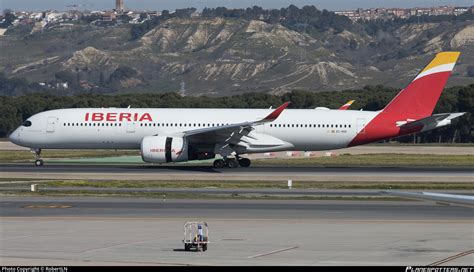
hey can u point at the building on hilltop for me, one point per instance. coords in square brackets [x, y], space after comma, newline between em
[119, 7]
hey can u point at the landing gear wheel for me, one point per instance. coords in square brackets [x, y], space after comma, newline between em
[204, 247]
[186, 247]
[232, 163]
[39, 162]
[244, 162]
[219, 164]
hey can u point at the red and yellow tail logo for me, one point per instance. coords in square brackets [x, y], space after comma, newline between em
[415, 102]
[419, 98]
[443, 62]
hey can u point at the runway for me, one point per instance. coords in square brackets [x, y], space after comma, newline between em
[230, 209]
[282, 173]
[130, 231]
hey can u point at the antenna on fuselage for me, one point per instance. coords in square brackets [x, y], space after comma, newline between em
[128, 107]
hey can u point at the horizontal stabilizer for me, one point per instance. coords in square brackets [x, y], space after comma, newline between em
[430, 122]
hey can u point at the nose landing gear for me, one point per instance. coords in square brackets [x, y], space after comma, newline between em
[39, 160]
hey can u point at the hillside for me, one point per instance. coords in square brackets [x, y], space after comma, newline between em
[223, 56]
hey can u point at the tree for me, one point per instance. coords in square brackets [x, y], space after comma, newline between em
[121, 73]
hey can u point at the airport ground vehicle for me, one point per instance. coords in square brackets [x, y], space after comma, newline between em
[196, 236]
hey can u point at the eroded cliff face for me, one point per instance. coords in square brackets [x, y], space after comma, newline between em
[227, 56]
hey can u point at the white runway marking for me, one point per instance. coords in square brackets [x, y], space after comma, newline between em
[272, 252]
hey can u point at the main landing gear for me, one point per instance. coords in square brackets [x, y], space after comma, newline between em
[232, 162]
[39, 160]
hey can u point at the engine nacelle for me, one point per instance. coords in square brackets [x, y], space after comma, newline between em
[161, 149]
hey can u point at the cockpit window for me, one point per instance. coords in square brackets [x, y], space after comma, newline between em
[27, 123]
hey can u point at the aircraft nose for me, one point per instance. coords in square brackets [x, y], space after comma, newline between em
[14, 137]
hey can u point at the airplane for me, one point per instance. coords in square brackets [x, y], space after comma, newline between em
[347, 105]
[464, 200]
[179, 135]
[343, 107]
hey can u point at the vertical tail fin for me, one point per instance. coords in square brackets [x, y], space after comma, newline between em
[419, 98]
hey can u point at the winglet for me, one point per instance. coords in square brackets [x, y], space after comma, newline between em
[274, 115]
[347, 105]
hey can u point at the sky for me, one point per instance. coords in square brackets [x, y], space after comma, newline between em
[41, 5]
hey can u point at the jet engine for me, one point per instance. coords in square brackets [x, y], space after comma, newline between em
[161, 149]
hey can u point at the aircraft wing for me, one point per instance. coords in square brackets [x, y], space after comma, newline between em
[430, 122]
[438, 197]
[233, 133]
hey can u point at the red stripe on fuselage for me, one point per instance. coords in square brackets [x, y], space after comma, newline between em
[415, 102]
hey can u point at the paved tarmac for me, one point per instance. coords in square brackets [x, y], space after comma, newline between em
[131, 231]
[280, 173]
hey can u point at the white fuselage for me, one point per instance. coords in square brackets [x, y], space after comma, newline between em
[119, 128]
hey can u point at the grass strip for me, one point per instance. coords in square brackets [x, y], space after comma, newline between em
[173, 195]
[407, 185]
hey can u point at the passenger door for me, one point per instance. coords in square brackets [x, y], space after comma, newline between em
[130, 127]
[50, 127]
[360, 125]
